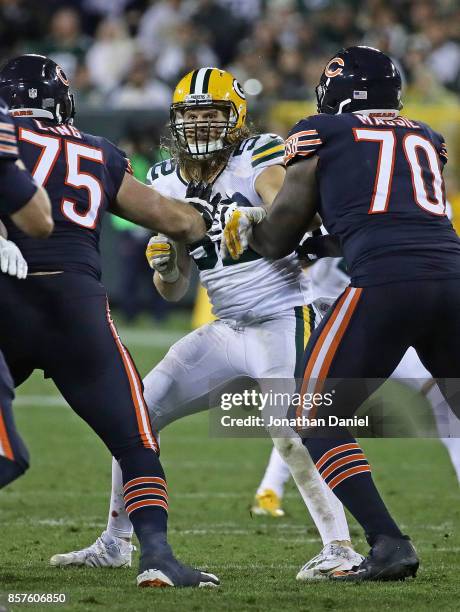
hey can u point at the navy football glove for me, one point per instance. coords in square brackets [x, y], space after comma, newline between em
[320, 246]
[198, 195]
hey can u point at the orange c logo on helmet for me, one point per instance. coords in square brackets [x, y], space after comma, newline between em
[332, 73]
[61, 76]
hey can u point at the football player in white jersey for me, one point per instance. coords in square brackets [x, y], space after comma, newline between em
[262, 321]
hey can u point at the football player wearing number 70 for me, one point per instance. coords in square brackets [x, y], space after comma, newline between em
[375, 177]
[69, 333]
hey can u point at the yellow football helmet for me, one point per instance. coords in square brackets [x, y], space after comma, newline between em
[197, 135]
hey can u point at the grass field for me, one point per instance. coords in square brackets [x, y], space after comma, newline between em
[61, 504]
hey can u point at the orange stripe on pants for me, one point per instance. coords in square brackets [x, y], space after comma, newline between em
[4, 440]
[334, 344]
[338, 336]
[143, 421]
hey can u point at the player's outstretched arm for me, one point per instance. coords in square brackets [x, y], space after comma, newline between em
[143, 205]
[291, 215]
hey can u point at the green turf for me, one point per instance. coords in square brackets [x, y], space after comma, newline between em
[61, 504]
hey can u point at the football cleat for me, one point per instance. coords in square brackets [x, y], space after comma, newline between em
[107, 551]
[389, 559]
[162, 569]
[333, 557]
[267, 503]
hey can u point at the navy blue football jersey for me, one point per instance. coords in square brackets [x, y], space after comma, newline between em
[382, 192]
[82, 175]
[16, 185]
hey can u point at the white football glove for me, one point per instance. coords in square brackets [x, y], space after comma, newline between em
[11, 260]
[238, 229]
[161, 254]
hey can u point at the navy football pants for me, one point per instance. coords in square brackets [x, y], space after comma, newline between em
[14, 458]
[61, 324]
[355, 349]
[367, 331]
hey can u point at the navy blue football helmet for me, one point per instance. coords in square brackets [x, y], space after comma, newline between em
[359, 78]
[38, 86]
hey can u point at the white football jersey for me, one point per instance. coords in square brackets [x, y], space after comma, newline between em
[252, 288]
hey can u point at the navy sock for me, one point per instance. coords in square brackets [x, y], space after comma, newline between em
[345, 469]
[145, 495]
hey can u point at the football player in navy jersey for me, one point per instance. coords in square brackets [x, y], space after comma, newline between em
[69, 332]
[375, 178]
[29, 208]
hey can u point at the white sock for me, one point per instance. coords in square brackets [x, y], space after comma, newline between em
[325, 509]
[118, 524]
[276, 474]
[448, 426]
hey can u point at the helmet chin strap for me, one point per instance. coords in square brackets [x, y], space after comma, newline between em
[342, 104]
[58, 113]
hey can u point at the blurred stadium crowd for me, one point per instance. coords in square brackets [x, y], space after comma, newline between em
[130, 53]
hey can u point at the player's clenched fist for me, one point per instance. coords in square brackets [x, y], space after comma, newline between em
[161, 254]
[238, 229]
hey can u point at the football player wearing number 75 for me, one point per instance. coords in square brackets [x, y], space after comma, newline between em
[375, 177]
[69, 333]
